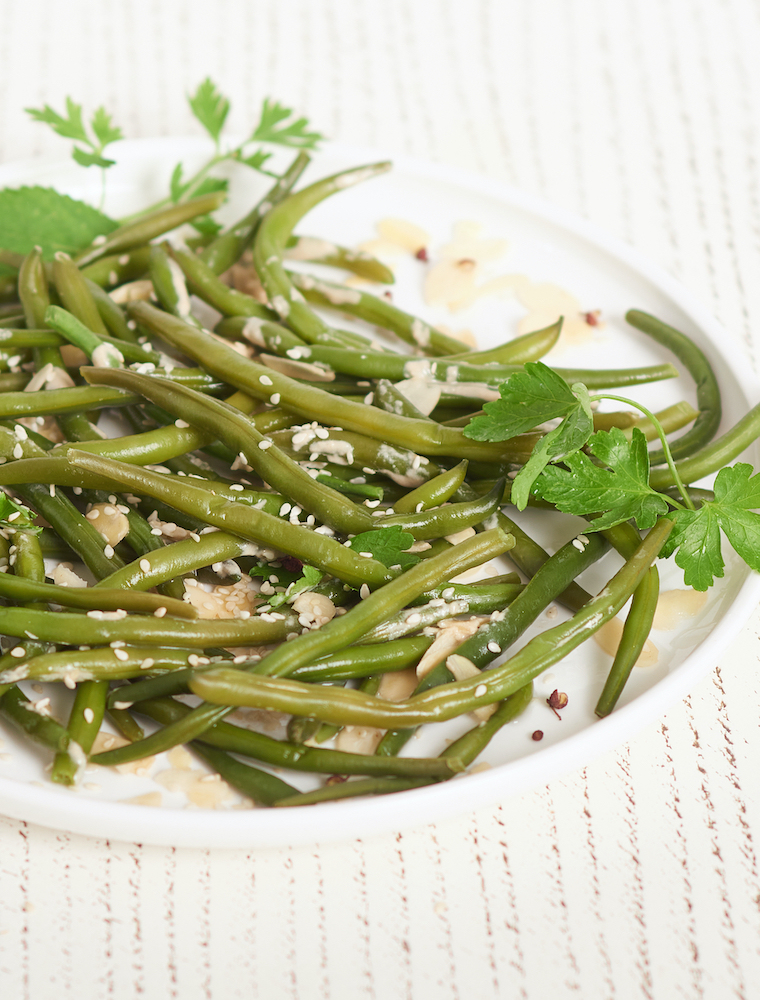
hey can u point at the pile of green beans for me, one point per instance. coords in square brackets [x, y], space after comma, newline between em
[275, 443]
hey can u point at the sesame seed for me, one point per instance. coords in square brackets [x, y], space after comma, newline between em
[108, 552]
[480, 690]
[265, 443]
[121, 705]
[274, 399]
[89, 715]
[18, 651]
[147, 663]
[77, 491]
[182, 424]
[364, 592]
[145, 566]
[237, 487]
[578, 545]
[159, 612]
[265, 380]
[121, 654]
[494, 647]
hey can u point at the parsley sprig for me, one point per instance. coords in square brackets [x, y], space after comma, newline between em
[92, 143]
[277, 125]
[604, 475]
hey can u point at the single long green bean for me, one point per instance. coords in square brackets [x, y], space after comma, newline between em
[698, 366]
[148, 227]
[111, 599]
[638, 625]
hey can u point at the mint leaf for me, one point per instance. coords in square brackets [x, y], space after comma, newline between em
[528, 398]
[71, 127]
[696, 535]
[104, 129]
[388, 545]
[210, 108]
[271, 127]
[37, 216]
[620, 490]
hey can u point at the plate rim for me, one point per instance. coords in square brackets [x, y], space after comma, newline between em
[330, 822]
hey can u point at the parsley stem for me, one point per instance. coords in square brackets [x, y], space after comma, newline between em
[664, 441]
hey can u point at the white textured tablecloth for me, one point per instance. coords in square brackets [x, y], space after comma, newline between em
[636, 877]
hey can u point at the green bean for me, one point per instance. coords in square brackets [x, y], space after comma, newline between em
[435, 491]
[277, 753]
[33, 290]
[118, 663]
[126, 725]
[204, 283]
[148, 227]
[112, 315]
[352, 789]
[61, 626]
[85, 720]
[19, 589]
[74, 294]
[469, 746]
[713, 456]
[19, 710]
[115, 269]
[229, 246]
[272, 238]
[171, 561]
[81, 336]
[638, 624]
[696, 363]
[260, 786]
[61, 401]
[527, 347]
[374, 310]
[318, 251]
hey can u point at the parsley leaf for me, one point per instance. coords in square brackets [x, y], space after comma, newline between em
[309, 578]
[37, 216]
[619, 488]
[570, 436]
[388, 545]
[696, 535]
[272, 129]
[210, 107]
[528, 398]
[15, 515]
[72, 127]
[105, 131]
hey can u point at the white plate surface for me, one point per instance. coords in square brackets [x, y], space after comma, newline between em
[548, 245]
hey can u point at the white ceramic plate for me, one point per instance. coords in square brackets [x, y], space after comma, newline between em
[548, 245]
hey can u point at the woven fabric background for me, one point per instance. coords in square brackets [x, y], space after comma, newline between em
[635, 877]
